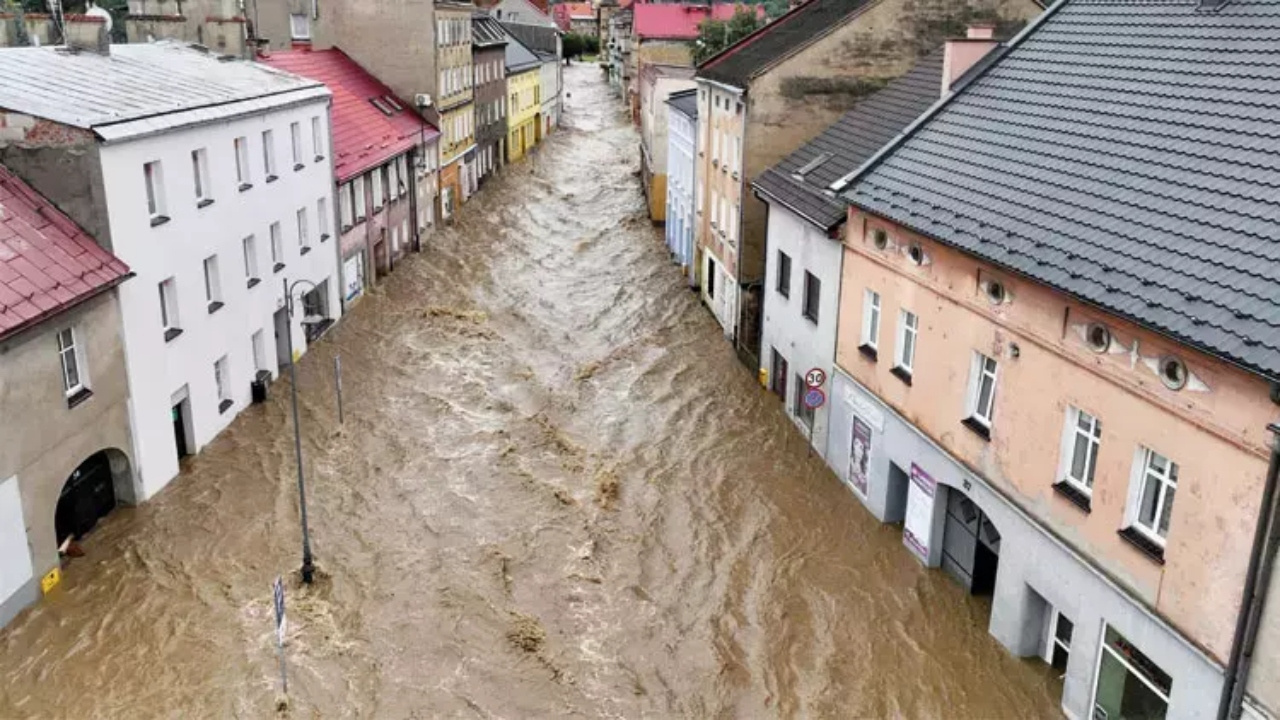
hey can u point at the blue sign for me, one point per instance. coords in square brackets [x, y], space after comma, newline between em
[814, 398]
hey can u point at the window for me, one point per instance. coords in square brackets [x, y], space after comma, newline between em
[784, 274]
[169, 309]
[304, 242]
[251, 260]
[778, 374]
[259, 352]
[242, 163]
[1158, 482]
[377, 189]
[393, 183]
[72, 363]
[1128, 684]
[154, 176]
[737, 154]
[358, 191]
[277, 247]
[711, 278]
[200, 170]
[269, 155]
[300, 26]
[812, 297]
[1084, 434]
[908, 328]
[322, 218]
[317, 138]
[295, 136]
[870, 319]
[212, 284]
[982, 391]
[802, 411]
[344, 206]
[223, 384]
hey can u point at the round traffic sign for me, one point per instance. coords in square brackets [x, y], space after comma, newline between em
[815, 378]
[814, 398]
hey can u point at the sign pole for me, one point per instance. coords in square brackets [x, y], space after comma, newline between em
[277, 596]
[337, 382]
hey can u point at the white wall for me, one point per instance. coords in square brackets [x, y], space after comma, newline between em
[681, 145]
[157, 369]
[803, 344]
[15, 553]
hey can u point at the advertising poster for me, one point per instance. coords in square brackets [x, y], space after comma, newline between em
[353, 273]
[919, 521]
[860, 455]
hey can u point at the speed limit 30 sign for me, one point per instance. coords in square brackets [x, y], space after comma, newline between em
[815, 378]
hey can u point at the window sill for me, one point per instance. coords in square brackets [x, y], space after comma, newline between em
[245, 186]
[172, 333]
[204, 203]
[869, 352]
[902, 374]
[298, 166]
[319, 158]
[215, 306]
[810, 318]
[305, 249]
[253, 283]
[278, 267]
[272, 178]
[785, 295]
[225, 405]
[977, 427]
[78, 397]
[159, 220]
[1074, 495]
[1146, 545]
[345, 229]
[324, 236]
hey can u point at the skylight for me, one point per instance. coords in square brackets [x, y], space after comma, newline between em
[813, 164]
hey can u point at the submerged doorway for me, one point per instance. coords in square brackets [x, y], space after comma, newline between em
[970, 545]
[86, 497]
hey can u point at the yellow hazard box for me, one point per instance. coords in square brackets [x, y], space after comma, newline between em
[50, 580]
[764, 377]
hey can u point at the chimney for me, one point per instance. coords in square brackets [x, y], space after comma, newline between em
[88, 32]
[960, 54]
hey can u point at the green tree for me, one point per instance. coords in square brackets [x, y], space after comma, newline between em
[716, 35]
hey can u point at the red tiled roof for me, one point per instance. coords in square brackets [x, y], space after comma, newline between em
[47, 263]
[363, 136]
[680, 22]
[565, 12]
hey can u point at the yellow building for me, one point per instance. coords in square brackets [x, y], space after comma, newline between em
[455, 93]
[523, 99]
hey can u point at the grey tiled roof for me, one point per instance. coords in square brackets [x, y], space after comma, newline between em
[848, 143]
[519, 58]
[1127, 153]
[686, 102]
[804, 24]
[486, 32]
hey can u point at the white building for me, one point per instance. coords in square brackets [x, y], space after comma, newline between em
[212, 179]
[682, 144]
[803, 251]
[550, 87]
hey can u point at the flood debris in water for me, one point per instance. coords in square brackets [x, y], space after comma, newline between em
[526, 633]
[608, 489]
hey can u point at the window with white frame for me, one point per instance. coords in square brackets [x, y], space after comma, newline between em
[317, 138]
[870, 319]
[1083, 437]
[299, 26]
[344, 206]
[200, 171]
[222, 381]
[304, 242]
[259, 351]
[169, 309]
[908, 328]
[153, 174]
[783, 282]
[377, 189]
[357, 190]
[393, 179]
[322, 218]
[982, 390]
[243, 176]
[402, 172]
[277, 247]
[212, 283]
[812, 297]
[1157, 485]
[295, 138]
[250, 247]
[269, 155]
[69, 352]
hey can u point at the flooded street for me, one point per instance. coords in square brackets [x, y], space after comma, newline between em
[556, 493]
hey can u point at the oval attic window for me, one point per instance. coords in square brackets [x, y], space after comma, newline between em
[916, 253]
[1099, 337]
[1173, 372]
[995, 292]
[880, 238]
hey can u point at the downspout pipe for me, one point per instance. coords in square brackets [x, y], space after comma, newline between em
[1262, 558]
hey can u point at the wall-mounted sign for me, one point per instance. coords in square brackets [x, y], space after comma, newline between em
[860, 454]
[918, 527]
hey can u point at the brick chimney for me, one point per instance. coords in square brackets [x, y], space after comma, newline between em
[960, 54]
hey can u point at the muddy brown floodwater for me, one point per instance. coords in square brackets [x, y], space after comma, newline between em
[556, 493]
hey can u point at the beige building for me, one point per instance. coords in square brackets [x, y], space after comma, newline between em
[1061, 373]
[657, 82]
[66, 458]
[455, 106]
[763, 97]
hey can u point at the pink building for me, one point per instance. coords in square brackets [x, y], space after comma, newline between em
[1057, 356]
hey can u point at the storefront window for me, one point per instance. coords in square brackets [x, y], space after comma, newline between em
[1130, 685]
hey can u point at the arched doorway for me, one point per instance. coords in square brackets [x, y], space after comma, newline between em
[970, 544]
[88, 494]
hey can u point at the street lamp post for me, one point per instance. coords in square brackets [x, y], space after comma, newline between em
[308, 568]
